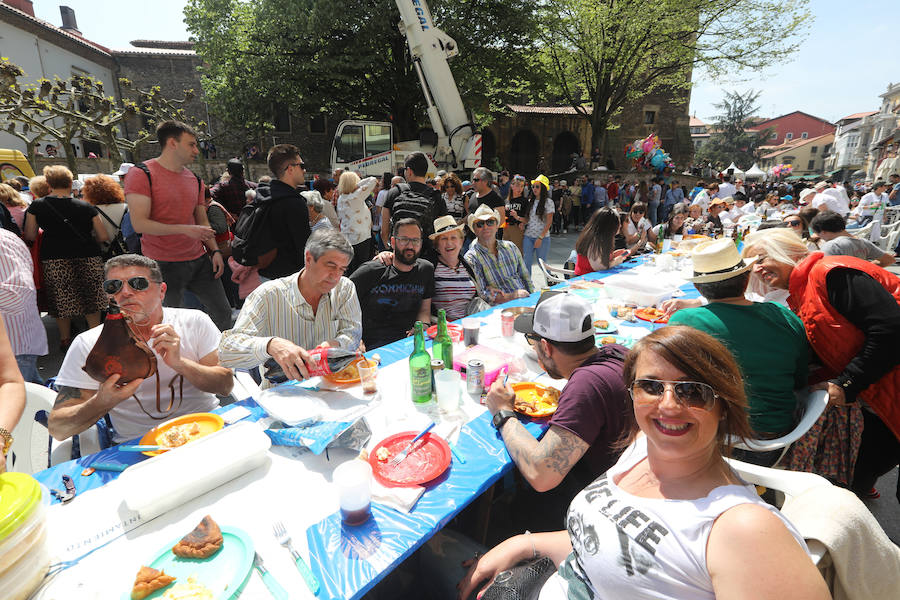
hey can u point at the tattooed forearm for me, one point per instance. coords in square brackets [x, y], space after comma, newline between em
[543, 463]
[65, 394]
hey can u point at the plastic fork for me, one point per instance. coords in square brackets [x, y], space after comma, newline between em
[284, 539]
[405, 452]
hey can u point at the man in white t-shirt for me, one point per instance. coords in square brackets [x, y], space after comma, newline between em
[825, 200]
[872, 202]
[704, 196]
[726, 188]
[185, 343]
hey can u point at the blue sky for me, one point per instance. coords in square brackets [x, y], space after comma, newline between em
[848, 59]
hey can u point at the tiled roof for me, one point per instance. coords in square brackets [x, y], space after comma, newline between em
[762, 124]
[695, 122]
[164, 44]
[545, 110]
[858, 115]
[56, 30]
[794, 144]
[151, 52]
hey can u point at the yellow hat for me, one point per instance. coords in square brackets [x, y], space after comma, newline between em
[541, 179]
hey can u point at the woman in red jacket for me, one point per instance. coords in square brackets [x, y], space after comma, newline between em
[851, 311]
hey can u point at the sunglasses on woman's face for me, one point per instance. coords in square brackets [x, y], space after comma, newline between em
[688, 394]
[794, 223]
[138, 284]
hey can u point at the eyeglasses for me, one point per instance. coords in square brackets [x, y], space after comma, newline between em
[474, 179]
[300, 164]
[794, 223]
[487, 223]
[138, 284]
[532, 338]
[408, 241]
[688, 394]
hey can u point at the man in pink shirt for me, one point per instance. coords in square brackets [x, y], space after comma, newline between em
[167, 208]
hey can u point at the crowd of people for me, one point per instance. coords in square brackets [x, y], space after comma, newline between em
[242, 274]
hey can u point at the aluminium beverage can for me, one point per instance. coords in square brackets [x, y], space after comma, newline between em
[508, 321]
[475, 376]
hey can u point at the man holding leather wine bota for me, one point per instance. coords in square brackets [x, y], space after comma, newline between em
[172, 352]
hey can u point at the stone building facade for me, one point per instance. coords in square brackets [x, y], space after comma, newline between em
[533, 139]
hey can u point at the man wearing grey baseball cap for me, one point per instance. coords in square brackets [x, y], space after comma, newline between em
[579, 446]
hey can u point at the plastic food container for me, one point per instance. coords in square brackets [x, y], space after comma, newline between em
[643, 291]
[24, 554]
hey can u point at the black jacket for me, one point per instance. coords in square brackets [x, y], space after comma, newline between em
[287, 223]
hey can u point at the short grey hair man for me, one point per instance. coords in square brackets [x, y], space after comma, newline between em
[483, 174]
[134, 260]
[315, 202]
[324, 240]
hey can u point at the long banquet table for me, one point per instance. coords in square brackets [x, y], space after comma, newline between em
[104, 545]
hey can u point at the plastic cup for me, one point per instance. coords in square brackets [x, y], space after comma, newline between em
[354, 482]
[470, 331]
[447, 387]
[368, 376]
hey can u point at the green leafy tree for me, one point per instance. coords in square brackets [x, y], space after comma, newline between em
[79, 107]
[607, 54]
[730, 140]
[348, 58]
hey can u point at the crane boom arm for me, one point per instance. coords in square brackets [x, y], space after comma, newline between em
[430, 48]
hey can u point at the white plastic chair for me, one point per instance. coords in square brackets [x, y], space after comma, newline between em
[789, 484]
[814, 404]
[891, 215]
[887, 239]
[554, 275]
[36, 398]
[862, 233]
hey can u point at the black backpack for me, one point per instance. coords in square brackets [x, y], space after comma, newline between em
[117, 245]
[412, 204]
[250, 232]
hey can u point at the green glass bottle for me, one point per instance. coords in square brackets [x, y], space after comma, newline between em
[442, 347]
[420, 368]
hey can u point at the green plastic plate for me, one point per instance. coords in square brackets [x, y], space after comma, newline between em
[224, 573]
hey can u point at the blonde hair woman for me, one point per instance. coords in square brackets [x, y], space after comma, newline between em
[355, 216]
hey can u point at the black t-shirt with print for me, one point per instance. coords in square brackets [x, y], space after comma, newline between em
[390, 299]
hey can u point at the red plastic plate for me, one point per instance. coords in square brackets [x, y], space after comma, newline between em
[454, 329]
[426, 460]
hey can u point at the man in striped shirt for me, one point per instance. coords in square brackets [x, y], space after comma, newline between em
[498, 265]
[285, 317]
[18, 305]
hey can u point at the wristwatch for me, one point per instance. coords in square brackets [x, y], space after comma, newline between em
[8, 440]
[501, 417]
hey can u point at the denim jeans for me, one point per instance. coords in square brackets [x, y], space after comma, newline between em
[197, 276]
[28, 367]
[529, 252]
[652, 210]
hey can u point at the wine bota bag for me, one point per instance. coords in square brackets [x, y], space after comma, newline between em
[119, 350]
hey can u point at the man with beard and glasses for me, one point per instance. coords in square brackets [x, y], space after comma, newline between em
[393, 297]
[581, 440]
[185, 343]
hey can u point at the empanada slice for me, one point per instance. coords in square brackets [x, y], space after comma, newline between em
[204, 541]
[149, 580]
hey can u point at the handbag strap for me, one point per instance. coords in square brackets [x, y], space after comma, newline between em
[65, 220]
[110, 221]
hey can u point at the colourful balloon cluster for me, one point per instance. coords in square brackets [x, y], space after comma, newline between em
[782, 170]
[648, 154]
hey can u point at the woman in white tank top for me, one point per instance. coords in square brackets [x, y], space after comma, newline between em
[670, 520]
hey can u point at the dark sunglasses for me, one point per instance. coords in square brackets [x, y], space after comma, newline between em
[532, 338]
[689, 394]
[474, 179]
[138, 284]
[794, 223]
[489, 223]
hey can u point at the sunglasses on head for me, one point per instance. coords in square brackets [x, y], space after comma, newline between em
[489, 223]
[689, 394]
[138, 284]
